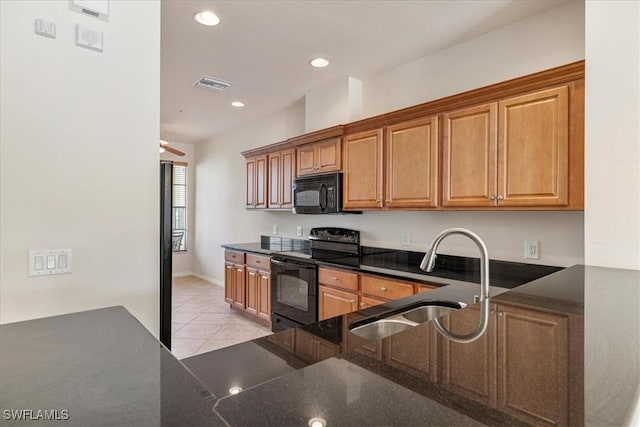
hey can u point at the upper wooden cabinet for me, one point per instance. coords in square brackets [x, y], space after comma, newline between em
[256, 182]
[411, 164]
[280, 177]
[393, 167]
[510, 153]
[362, 181]
[319, 157]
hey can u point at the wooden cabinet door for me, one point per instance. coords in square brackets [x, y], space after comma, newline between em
[256, 182]
[305, 346]
[411, 157]
[264, 295]
[252, 291]
[250, 183]
[363, 170]
[332, 302]
[328, 155]
[533, 149]
[306, 159]
[275, 182]
[528, 388]
[469, 156]
[239, 286]
[229, 276]
[261, 182]
[280, 177]
[287, 174]
[470, 369]
[414, 353]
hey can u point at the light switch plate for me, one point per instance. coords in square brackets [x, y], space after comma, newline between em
[45, 28]
[46, 262]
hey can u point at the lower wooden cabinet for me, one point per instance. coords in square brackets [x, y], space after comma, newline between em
[312, 348]
[247, 286]
[414, 353]
[333, 302]
[503, 368]
[528, 389]
[469, 369]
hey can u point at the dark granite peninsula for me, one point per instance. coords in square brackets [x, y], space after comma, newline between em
[529, 367]
[99, 367]
[563, 349]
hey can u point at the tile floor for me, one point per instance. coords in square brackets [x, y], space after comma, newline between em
[201, 321]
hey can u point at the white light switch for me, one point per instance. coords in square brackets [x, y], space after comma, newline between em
[45, 28]
[45, 262]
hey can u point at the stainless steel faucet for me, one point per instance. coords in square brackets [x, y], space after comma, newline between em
[429, 262]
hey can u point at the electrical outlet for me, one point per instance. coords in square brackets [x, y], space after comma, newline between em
[405, 238]
[532, 249]
[299, 230]
[274, 229]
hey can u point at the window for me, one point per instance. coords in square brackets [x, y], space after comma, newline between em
[179, 207]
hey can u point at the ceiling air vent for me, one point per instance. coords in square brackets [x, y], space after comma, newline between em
[212, 83]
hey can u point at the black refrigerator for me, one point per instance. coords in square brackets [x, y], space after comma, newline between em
[166, 252]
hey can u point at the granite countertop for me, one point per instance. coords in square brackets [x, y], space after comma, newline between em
[405, 265]
[98, 367]
[359, 385]
[103, 367]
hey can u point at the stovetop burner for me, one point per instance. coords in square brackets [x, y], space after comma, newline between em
[329, 244]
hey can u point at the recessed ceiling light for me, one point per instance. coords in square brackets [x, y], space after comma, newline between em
[206, 17]
[319, 62]
[235, 389]
[317, 422]
[237, 104]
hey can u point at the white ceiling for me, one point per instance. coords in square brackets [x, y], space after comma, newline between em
[263, 47]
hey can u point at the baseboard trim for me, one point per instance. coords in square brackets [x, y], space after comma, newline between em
[209, 279]
[183, 273]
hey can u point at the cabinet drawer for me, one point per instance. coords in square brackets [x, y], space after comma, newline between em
[424, 288]
[234, 256]
[260, 262]
[337, 278]
[366, 302]
[386, 289]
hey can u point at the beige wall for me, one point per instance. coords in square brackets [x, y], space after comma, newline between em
[221, 217]
[79, 135]
[612, 139]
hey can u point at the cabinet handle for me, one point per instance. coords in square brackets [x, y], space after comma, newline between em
[500, 197]
[363, 304]
[387, 201]
[378, 200]
[334, 278]
[257, 261]
[352, 301]
[251, 273]
[383, 289]
[492, 197]
[500, 314]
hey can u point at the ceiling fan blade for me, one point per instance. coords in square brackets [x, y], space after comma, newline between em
[172, 150]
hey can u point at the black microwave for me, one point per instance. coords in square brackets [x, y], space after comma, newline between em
[318, 194]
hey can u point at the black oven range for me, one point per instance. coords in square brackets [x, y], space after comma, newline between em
[294, 275]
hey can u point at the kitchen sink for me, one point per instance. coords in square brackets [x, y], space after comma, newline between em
[381, 328]
[400, 319]
[427, 312]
